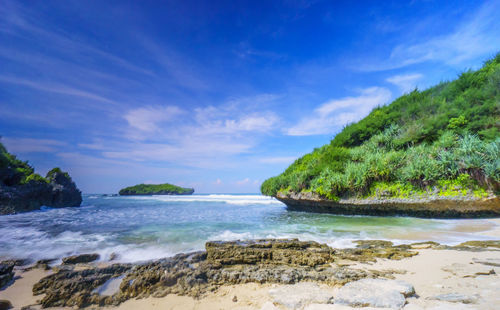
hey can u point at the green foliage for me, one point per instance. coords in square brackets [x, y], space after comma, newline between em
[151, 189]
[36, 178]
[52, 174]
[423, 140]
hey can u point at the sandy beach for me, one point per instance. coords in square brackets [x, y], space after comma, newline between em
[462, 279]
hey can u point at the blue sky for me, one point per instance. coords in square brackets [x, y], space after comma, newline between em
[217, 95]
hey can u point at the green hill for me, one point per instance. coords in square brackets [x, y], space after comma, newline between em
[444, 142]
[155, 189]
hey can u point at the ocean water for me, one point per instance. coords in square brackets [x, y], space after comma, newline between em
[139, 228]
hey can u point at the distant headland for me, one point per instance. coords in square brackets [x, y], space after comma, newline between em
[155, 189]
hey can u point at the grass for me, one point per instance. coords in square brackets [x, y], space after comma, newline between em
[425, 141]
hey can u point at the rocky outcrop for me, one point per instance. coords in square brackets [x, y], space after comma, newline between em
[56, 190]
[6, 273]
[79, 259]
[379, 293]
[285, 261]
[432, 206]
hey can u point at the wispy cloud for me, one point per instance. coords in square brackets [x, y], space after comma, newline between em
[331, 115]
[149, 118]
[54, 88]
[30, 145]
[478, 36]
[405, 82]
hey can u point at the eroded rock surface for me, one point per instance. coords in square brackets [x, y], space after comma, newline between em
[82, 258]
[284, 261]
[6, 273]
[380, 293]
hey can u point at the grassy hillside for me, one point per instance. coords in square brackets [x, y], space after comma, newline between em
[444, 140]
[155, 189]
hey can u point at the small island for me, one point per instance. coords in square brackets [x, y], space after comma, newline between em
[155, 189]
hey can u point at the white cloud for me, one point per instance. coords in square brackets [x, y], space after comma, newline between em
[477, 36]
[336, 113]
[28, 145]
[405, 82]
[149, 119]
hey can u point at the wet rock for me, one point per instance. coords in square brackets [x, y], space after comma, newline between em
[5, 304]
[6, 272]
[456, 297]
[298, 295]
[378, 293]
[74, 288]
[481, 244]
[113, 256]
[78, 259]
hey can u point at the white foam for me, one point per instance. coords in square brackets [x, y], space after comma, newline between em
[230, 199]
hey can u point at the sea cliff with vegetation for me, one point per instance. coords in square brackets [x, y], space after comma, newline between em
[21, 189]
[155, 189]
[432, 153]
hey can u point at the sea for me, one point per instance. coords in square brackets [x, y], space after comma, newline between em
[141, 228]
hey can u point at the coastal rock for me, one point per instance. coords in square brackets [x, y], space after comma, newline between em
[280, 261]
[6, 273]
[378, 293]
[74, 288]
[5, 304]
[64, 190]
[300, 294]
[57, 190]
[435, 207]
[456, 297]
[78, 259]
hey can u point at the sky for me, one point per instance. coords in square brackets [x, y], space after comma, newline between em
[215, 95]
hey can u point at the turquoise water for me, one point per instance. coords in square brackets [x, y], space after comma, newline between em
[146, 227]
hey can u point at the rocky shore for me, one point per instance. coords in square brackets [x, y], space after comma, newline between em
[426, 207]
[295, 274]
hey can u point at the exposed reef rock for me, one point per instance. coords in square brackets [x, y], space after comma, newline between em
[285, 261]
[6, 272]
[56, 190]
[78, 259]
[436, 207]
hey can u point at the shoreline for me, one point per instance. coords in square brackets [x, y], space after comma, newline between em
[432, 270]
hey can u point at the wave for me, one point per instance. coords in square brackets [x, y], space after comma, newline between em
[220, 198]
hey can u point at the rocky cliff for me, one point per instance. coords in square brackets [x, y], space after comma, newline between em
[22, 190]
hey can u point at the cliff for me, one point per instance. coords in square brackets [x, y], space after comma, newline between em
[22, 190]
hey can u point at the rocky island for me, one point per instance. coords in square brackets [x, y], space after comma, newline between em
[21, 189]
[432, 153]
[155, 189]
